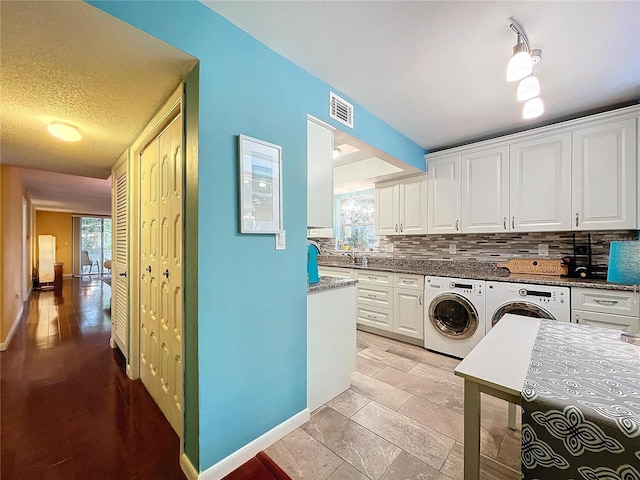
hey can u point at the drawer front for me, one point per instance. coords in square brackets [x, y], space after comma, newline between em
[378, 278]
[407, 280]
[606, 320]
[381, 318]
[335, 272]
[377, 295]
[605, 301]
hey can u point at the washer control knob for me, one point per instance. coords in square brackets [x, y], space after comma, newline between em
[522, 292]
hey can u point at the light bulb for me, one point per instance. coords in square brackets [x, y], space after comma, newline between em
[528, 88]
[533, 108]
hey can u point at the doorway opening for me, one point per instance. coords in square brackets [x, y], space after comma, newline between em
[92, 237]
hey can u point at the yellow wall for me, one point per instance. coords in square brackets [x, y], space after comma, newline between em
[11, 268]
[57, 224]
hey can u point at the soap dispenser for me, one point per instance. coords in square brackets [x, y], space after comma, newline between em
[313, 250]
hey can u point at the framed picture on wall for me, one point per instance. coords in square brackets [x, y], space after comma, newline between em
[260, 186]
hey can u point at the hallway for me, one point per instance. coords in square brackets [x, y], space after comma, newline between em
[68, 409]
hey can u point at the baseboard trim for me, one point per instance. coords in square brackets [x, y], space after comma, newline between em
[229, 464]
[187, 467]
[4, 345]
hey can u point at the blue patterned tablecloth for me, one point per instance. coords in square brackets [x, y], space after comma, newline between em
[581, 406]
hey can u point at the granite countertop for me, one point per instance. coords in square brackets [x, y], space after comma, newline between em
[328, 283]
[471, 270]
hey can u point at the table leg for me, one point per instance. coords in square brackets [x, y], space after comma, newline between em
[512, 416]
[471, 430]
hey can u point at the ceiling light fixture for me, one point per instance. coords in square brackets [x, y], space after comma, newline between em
[523, 59]
[521, 68]
[64, 131]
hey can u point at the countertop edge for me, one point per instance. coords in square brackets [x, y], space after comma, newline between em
[330, 283]
[558, 281]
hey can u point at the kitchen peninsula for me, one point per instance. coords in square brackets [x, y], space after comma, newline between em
[331, 339]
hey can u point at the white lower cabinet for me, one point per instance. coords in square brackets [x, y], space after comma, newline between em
[381, 318]
[337, 272]
[408, 312]
[391, 302]
[606, 308]
[606, 320]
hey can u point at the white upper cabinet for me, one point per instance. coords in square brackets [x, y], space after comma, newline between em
[387, 208]
[401, 206]
[319, 173]
[444, 202]
[485, 190]
[604, 176]
[413, 205]
[540, 184]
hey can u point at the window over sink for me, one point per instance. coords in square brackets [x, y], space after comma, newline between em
[355, 215]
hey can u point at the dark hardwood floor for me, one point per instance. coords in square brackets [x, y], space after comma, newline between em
[68, 410]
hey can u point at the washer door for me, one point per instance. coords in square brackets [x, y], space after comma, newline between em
[526, 309]
[453, 316]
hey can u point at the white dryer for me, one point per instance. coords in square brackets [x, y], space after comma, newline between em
[529, 300]
[454, 314]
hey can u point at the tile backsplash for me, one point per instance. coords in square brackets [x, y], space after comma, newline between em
[496, 247]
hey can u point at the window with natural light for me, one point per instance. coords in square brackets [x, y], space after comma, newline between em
[356, 217]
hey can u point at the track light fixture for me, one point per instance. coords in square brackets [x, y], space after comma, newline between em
[520, 67]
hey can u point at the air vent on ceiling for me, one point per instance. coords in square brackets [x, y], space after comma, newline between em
[340, 110]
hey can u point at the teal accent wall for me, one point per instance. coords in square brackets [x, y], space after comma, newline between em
[251, 326]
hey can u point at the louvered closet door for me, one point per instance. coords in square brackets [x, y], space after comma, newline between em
[149, 268]
[119, 292]
[170, 280]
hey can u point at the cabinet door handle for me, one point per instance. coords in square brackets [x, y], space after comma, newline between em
[373, 278]
[123, 274]
[166, 273]
[372, 295]
[513, 221]
[372, 316]
[420, 299]
[396, 228]
[577, 219]
[457, 224]
[504, 222]
[605, 302]
[148, 269]
[401, 228]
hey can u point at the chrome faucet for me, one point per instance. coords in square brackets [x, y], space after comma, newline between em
[353, 257]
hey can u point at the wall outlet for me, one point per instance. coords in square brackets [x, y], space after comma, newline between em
[389, 247]
[281, 242]
[543, 250]
[452, 248]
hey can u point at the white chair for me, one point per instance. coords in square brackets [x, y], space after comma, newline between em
[85, 261]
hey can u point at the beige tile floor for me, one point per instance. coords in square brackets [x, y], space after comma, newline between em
[402, 418]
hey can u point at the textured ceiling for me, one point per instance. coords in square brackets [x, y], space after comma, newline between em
[71, 62]
[435, 70]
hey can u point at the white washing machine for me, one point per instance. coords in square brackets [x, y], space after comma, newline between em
[454, 314]
[529, 300]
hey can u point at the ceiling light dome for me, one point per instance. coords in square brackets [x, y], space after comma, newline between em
[528, 88]
[520, 65]
[64, 131]
[533, 108]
